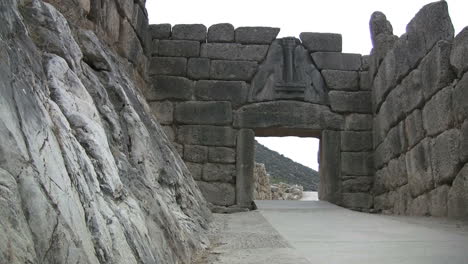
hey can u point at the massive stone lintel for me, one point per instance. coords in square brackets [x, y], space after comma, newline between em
[288, 73]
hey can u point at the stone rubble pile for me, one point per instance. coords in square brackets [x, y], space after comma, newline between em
[266, 191]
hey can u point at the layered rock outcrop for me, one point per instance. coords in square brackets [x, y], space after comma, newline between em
[86, 174]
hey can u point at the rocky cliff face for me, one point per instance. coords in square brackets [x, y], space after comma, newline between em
[86, 174]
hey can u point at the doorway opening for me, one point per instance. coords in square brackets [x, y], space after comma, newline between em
[286, 168]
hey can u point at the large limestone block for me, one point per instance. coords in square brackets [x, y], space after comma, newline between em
[233, 70]
[234, 51]
[356, 141]
[437, 113]
[321, 41]
[393, 146]
[414, 128]
[163, 111]
[341, 80]
[356, 184]
[189, 32]
[351, 102]
[460, 104]
[195, 169]
[356, 163]
[223, 32]
[207, 135]
[413, 96]
[439, 201]
[464, 142]
[418, 164]
[420, 206]
[218, 193]
[445, 156]
[198, 68]
[459, 56]
[203, 113]
[170, 87]
[397, 174]
[256, 35]
[357, 200]
[330, 163]
[436, 72]
[337, 61]
[245, 180]
[234, 91]
[174, 66]
[287, 114]
[195, 153]
[221, 155]
[458, 195]
[179, 48]
[219, 172]
[358, 122]
[159, 31]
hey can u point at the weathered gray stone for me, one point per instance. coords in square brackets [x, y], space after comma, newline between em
[203, 113]
[140, 22]
[356, 141]
[287, 114]
[219, 172]
[436, 72]
[198, 68]
[418, 164]
[321, 41]
[356, 163]
[464, 142]
[460, 104]
[195, 169]
[397, 174]
[288, 73]
[245, 180]
[352, 184]
[129, 46]
[330, 171]
[358, 122]
[351, 102]
[169, 132]
[195, 153]
[169, 87]
[445, 156]
[163, 111]
[357, 200]
[234, 91]
[174, 66]
[221, 155]
[233, 70]
[402, 199]
[413, 91]
[337, 61]
[458, 195]
[207, 135]
[365, 82]
[223, 32]
[414, 128]
[179, 148]
[459, 55]
[234, 51]
[155, 47]
[189, 32]
[179, 48]
[341, 80]
[218, 193]
[439, 201]
[437, 113]
[160, 31]
[379, 25]
[420, 206]
[256, 35]
[394, 144]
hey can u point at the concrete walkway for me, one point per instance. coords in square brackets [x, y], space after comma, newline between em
[327, 234]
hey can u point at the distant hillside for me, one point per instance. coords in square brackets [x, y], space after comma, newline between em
[283, 169]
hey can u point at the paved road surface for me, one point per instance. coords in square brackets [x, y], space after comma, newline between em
[327, 234]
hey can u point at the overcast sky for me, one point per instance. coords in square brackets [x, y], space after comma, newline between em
[349, 18]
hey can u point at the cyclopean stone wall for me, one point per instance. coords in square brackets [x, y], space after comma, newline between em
[215, 89]
[420, 104]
